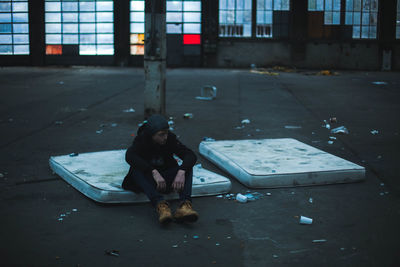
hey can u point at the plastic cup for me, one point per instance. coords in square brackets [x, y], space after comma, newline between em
[305, 220]
[241, 198]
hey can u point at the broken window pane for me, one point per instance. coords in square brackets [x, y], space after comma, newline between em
[331, 10]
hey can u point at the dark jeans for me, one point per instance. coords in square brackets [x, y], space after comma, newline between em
[149, 186]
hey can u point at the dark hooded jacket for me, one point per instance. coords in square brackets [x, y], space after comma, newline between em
[144, 155]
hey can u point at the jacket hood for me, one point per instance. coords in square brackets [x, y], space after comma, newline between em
[154, 124]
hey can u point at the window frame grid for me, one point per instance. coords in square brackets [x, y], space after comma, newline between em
[12, 32]
[271, 25]
[234, 25]
[361, 25]
[181, 23]
[79, 23]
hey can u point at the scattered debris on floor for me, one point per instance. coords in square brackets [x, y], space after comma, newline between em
[99, 131]
[374, 132]
[340, 130]
[327, 73]
[245, 121]
[114, 125]
[330, 142]
[58, 122]
[292, 127]
[326, 125]
[305, 220]
[74, 154]
[379, 83]
[64, 215]
[129, 110]
[319, 240]
[208, 92]
[112, 252]
[1, 175]
[245, 197]
[264, 71]
[196, 237]
[208, 139]
[188, 116]
[310, 200]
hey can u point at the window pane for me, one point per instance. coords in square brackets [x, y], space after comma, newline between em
[105, 38]
[5, 49]
[6, 39]
[87, 50]
[69, 6]
[5, 7]
[137, 5]
[70, 17]
[174, 28]
[53, 27]
[20, 7]
[70, 39]
[137, 38]
[174, 6]
[87, 17]
[137, 49]
[104, 16]
[70, 28]
[192, 17]
[5, 17]
[88, 28]
[53, 38]
[137, 27]
[5, 28]
[87, 38]
[105, 27]
[192, 6]
[21, 39]
[105, 49]
[191, 28]
[86, 6]
[20, 28]
[139, 16]
[104, 6]
[21, 49]
[174, 16]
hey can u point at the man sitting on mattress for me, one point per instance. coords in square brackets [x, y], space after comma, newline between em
[154, 171]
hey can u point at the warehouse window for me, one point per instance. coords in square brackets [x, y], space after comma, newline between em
[235, 18]
[137, 27]
[272, 18]
[363, 16]
[79, 27]
[183, 17]
[331, 9]
[398, 20]
[14, 28]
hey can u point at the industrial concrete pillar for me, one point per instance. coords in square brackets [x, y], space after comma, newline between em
[155, 55]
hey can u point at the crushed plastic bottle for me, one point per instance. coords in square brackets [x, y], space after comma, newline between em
[340, 130]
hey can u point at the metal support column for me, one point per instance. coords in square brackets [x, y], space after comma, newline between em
[155, 57]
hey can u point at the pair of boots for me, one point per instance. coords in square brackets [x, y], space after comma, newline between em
[184, 213]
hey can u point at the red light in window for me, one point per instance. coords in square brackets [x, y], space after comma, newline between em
[191, 39]
[53, 49]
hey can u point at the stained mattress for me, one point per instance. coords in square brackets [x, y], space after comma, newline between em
[284, 162]
[99, 175]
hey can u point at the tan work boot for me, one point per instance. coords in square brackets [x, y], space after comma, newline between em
[186, 213]
[164, 212]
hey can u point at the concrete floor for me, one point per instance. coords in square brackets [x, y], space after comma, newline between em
[360, 221]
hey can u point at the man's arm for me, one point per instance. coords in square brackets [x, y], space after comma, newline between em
[188, 157]
[133, 158]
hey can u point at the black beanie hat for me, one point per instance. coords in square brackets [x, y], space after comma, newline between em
[156, 123]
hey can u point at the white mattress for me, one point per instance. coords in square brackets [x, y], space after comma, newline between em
[282, 162]
[99, 175]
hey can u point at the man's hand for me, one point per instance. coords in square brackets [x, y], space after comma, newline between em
[161, 185]
[179, 181]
